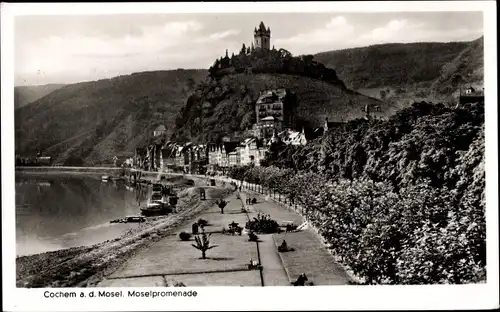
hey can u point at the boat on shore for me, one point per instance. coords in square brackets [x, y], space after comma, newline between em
[157, 205]
[129, 219]
[157, 188]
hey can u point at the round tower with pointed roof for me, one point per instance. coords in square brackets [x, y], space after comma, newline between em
[262, 37]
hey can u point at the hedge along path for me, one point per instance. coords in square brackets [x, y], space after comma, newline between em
[311, 255]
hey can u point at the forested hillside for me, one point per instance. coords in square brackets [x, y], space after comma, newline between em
[91, 122]
[24, 95]
[404, 73]
[227, 105]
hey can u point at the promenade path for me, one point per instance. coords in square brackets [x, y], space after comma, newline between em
[311, 256]
[171, 261]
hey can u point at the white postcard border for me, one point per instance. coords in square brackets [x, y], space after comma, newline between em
[269, 298]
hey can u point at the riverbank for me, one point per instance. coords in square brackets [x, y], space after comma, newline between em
[61, 169]
[85, 266]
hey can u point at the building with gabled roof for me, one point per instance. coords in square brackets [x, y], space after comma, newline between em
[274, 109]
[160, 130]
[218, 154]
[168, 156]
[471, 95]
[291, 137]
[252, 151]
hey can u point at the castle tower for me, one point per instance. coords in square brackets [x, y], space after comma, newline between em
[262, 37]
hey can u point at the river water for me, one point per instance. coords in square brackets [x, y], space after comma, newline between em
[56, 211]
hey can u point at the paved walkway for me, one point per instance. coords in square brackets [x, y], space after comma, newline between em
[171, 261]
[273, 272]
[310, 256]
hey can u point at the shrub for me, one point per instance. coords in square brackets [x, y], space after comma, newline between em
[184, 236]
[262, 224]
[203, 244]
[291, 227]
[252, 237]
[202, 222]
[222, 204]
[284, 247]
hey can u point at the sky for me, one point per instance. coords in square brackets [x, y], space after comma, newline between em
[68, 49]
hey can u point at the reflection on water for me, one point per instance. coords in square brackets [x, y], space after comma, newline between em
[62, 211]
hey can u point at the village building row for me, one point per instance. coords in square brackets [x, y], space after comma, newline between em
[189, 158]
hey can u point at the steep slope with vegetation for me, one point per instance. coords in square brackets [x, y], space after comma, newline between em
[403, 73]
[400, 201]
[90, 122]
[24, 95]
[225, 104]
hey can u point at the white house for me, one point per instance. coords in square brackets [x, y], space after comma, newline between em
[160, 130]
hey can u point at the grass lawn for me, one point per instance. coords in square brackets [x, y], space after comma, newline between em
[242, 278]
[311, 258]
[171, 256]
[147, 281]
[216, 220]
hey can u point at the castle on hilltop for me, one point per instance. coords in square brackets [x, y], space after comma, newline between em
[262, 37]
[262, 57]
[261, 44]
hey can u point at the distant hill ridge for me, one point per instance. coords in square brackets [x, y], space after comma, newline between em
[24, 95]
[90, 122]
[407, 72]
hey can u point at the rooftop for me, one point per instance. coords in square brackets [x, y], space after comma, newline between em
[278, 93]
[470, 91]
[268, 118]
[160, 128]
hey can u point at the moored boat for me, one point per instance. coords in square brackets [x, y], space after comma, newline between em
[157, 205]
[157, 188]
[129, 219]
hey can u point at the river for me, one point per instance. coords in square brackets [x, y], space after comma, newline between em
[56, 211]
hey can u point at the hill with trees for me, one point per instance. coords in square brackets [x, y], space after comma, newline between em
[24, 95]
[403, 73]
[91, 122]
[225, 104]
[273, 61]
